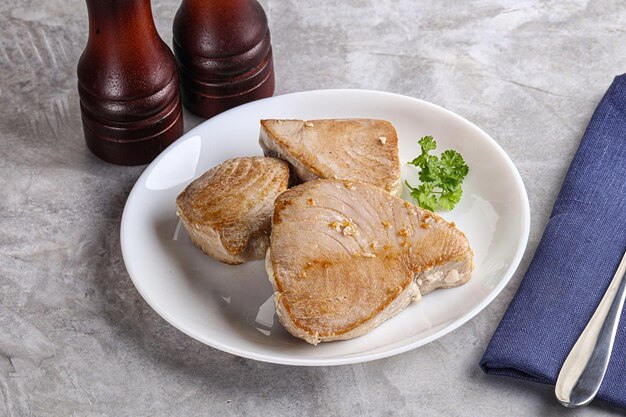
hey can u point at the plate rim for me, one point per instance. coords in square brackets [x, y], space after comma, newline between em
[356, 358]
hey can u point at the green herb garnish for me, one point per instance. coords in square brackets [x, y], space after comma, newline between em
[441, 177]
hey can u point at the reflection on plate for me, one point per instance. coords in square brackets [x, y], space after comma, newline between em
[230, 307]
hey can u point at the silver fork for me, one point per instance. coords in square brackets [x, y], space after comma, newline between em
[585, 366]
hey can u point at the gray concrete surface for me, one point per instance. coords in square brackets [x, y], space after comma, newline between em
[76, 339]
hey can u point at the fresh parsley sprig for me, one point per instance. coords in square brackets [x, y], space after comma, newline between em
[441, 177]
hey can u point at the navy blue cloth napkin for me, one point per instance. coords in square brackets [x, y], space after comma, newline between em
[574, 262]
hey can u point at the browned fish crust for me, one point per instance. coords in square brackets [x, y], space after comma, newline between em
[227, 211]
[352, 149]
[357, 257]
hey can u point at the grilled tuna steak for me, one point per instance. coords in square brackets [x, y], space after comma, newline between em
[227, 211]
[352, 149]
[345, 256]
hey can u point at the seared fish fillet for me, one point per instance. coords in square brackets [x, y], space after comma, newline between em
[345, 256]
[352, 149]
[227, 211]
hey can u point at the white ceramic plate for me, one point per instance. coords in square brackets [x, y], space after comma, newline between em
[230, 307]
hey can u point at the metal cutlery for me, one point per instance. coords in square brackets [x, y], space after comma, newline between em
[583, 371]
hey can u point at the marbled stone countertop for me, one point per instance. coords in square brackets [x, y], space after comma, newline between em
[75, 336]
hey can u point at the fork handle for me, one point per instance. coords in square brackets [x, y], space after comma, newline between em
[585, 366]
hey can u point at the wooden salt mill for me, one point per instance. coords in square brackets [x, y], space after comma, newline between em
[224, 55]
[127, 83]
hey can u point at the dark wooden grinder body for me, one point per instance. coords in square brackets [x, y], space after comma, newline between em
[128, 84]
[224, 54]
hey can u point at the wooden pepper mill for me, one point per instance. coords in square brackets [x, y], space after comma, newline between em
[224, 54]
[128, 85]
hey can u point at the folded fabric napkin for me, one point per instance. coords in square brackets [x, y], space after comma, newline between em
[574, 262]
